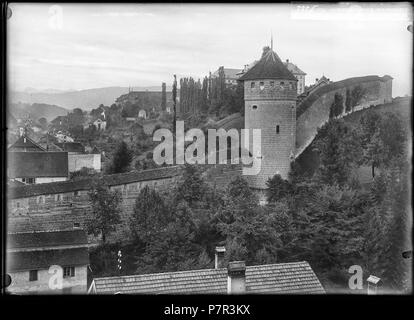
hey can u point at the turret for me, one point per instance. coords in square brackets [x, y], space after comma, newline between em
[270, 92]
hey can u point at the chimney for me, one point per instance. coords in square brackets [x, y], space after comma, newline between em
[236, 277]
[373, 284]
[219, 257]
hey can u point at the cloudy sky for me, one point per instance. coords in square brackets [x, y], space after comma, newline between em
[76, 46]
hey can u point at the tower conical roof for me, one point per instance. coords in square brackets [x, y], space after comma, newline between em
[269, 67]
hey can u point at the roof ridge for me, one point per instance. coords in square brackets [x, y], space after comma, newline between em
[186, 271]
[44, 231]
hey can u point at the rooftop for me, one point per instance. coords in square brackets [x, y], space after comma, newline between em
[71, 146]
[269, 67]
[32, 240]
[85, 184]
[24, 143]
[229, 73]
[34, 260]
[293, 68]
[37, 164]
[282, 278]
[40, 250]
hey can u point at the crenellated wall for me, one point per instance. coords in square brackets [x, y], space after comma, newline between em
[313, 112]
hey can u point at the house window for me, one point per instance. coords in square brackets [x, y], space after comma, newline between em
[28, 180]
[282, 83]
[252, 85]
[41, 200]
[272, 84]
[261, 86]
[76, 225]
[76, 193]
[254, 107]
[58, 197]
[17, 204]
[33, 275]
[68, 272]
[277, 129]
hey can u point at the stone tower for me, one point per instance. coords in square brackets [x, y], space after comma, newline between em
[270, 92]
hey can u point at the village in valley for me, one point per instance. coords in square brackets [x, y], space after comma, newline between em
[89, 211]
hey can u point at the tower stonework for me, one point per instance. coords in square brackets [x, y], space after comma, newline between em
[270, 93]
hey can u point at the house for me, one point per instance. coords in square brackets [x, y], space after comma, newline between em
[298, 73]
[37, 166]
[100, 124]
[142, 114]
[25, 144]
[319, 83]
[47, 262]
[63, 137]
[78, 158]
[230, 75]
[237, 278]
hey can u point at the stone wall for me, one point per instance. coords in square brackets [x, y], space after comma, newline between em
[72, 209]
[313, 112]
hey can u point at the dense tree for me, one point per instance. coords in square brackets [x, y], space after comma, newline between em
[348, 102]
[121, 159]
[105, 211]
[163, 97]
[43, 123]
[151, 215]
[250, 231]
[277, 188]
[358, 93]
[191, 187]
[337, 106]
[339, 150]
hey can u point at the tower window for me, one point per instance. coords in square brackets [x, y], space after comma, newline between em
[33, 275]
[277, 129]
[254, 107]
[261, 85]
[252, 85]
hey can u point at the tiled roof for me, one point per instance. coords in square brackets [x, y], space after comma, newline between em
[269, 67]
[229, 73]
[34, 260]
[26, 144]
[284, 278]
[37, 164]
[85, 184]
[55, 219]
[71, 146]
[293, 68]
[30, 240]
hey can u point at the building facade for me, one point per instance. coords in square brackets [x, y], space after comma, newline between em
[298, 73]
[47, 262]
[37, 166]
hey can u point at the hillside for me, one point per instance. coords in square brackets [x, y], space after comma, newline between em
[36, 110]
[309, 159]
[84, 99]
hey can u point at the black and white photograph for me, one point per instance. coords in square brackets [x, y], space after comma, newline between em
[208, 149]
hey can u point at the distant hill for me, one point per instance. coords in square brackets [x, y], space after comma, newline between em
[36, 110]
[84, 99]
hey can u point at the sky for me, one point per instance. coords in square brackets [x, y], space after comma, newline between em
[83, 46]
